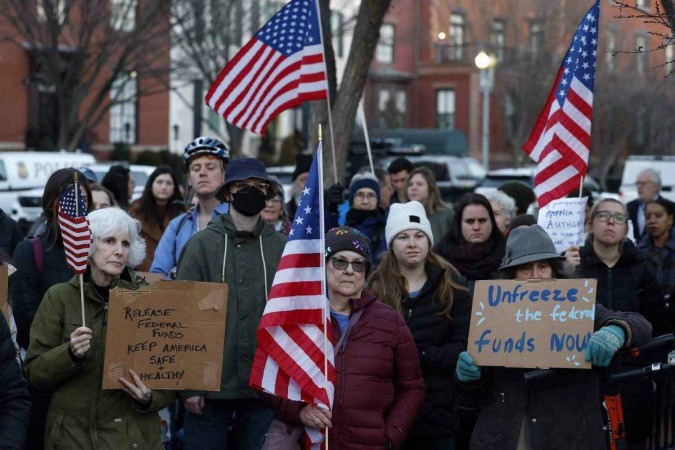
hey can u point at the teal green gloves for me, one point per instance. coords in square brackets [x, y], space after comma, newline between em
[467, 370]
[603, 345]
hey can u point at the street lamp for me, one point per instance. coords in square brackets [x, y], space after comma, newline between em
[486, 64]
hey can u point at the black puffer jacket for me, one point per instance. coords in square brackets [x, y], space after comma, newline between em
[439, 342]
[628, 286]
[631, 286]
[14, 402]
[562, 410]
[27, 287]
[10, 234]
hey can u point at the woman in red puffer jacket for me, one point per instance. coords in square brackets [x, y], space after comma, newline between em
[379, 388]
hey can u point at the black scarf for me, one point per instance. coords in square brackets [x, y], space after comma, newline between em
[477, 262]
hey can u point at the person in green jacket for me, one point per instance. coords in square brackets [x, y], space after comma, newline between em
[240, 249]
[66, 358]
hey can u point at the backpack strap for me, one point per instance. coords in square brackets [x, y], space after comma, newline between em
[39, 256]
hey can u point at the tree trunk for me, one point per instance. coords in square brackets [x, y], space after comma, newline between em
[345, 103]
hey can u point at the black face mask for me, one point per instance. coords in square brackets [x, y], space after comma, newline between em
[250, 202]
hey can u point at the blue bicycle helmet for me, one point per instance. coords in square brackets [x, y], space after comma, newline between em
[206, 145]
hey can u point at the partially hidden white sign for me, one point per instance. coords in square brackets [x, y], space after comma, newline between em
[563, 221]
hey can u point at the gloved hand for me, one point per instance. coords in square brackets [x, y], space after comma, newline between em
[334, 196]
[603, 345]
[467, 370]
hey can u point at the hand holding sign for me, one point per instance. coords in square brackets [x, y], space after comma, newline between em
[532, 323]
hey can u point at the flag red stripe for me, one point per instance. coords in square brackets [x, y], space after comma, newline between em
[299, 261]
[580, 104]
[281, 318]
[299, 288]
[252, 86]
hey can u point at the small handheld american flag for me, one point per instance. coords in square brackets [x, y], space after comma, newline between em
[281, 67]
[74, 228]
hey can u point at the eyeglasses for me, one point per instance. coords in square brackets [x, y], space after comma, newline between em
[245, 187]
[604, 216]
[358, 265]
[365, 195]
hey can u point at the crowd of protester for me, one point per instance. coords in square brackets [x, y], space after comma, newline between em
[401, 266]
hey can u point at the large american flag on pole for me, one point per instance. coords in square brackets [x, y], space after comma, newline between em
[281, 67]
[294, 358]
[74, 227]
[561, 139]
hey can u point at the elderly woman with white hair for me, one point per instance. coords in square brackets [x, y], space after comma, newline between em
[504, 208]
[66, 358]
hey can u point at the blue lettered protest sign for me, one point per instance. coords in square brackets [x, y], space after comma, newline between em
[532, 323]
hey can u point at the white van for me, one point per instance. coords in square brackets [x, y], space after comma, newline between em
[28, 205]
[665, 165]
[21, 171]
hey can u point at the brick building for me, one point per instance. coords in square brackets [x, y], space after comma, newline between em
[423, 74]
[29, 102]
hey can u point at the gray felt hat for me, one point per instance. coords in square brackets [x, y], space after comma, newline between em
[526, 245]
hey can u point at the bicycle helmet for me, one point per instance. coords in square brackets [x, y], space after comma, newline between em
[206, 145]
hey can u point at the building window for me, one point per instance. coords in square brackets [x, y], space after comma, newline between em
[642, 4]
[610, 57]
[391, 107]
[536, 38]
[457, 38]
[641, 55]
[123, 116]
[123, 14]
[385, 46]
[498, 38]
[58, 10]
[641, 126]
[445, 108]
[337, 25]
[670, 54]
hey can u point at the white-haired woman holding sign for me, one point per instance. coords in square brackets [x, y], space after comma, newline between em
[66, 358]
[563, 409]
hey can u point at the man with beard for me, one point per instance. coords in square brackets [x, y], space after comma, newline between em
[240, 249]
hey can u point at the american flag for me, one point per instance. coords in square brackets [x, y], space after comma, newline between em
[561, 139]
[281, 67]
[292, 349]
[74, 228]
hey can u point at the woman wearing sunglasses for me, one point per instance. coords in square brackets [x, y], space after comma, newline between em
[625, 283]
[378, 388]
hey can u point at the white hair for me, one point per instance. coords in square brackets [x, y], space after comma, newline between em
[506, 203]
[654, 174]
[107, 222]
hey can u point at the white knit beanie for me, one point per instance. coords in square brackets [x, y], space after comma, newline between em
[407, 216]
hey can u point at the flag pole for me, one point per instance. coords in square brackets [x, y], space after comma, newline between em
[322, 238]
[328, 100]
[362, 116]
[581, 186]
[77, 213]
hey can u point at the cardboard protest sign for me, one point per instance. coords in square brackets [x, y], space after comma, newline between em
[532, 323]
[170, 333]
[563, 221]
[3, 292]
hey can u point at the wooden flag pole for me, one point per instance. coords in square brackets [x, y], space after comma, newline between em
[77, 213]
[319, 161]
[362, 115]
